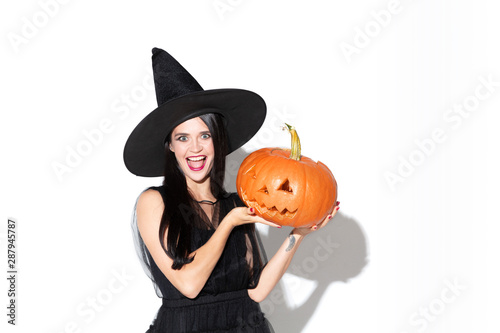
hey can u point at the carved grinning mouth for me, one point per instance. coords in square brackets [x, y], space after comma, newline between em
[272, 211]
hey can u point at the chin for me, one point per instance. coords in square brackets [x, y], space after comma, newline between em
[198, 178]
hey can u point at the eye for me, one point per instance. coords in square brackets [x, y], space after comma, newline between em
[182, 138]
[251, 172]
[285, 187]
[264, 190]
[206, 136]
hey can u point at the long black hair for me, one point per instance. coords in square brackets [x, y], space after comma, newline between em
[179, 214]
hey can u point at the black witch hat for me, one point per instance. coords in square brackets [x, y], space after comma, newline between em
[180, 98]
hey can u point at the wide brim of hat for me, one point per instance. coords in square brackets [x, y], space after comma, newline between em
[243, 112]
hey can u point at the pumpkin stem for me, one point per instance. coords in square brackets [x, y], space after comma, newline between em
[295, 151]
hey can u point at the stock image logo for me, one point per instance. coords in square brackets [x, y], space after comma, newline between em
[379, 19]
[453, 118]
[89, 309]
[121, 108]
[32, 25]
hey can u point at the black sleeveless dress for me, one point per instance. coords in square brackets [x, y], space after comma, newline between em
[223, 305]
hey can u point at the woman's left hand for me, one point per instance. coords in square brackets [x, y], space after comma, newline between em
[307, 231]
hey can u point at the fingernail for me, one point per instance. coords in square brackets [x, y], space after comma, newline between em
[338, 203]
[315, 227]
[329, 217]
[251, 210]
[337, 208]
[279, 226]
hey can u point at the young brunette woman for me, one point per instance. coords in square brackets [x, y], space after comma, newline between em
[196, 241]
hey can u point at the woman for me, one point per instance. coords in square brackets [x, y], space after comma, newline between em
[198, 242]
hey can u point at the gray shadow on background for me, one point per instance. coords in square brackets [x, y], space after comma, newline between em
[336, 253]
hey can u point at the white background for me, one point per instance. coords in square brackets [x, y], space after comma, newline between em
[363, 82]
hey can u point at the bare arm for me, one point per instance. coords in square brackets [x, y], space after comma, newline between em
[277, 266]
[191, 278]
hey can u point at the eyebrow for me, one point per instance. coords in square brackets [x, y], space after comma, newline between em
[187, 134]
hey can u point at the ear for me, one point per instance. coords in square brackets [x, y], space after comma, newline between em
[171, 148]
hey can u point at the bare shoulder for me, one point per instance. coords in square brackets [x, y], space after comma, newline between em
[150, 197]
[149, 208]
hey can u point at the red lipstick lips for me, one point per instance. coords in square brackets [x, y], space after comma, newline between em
[196, 163]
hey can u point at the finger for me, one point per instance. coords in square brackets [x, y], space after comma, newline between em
[266, 222]
[322, 223]
[335, 210]
[271, 224]
[326, 220]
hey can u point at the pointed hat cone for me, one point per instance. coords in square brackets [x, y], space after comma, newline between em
[180, 97]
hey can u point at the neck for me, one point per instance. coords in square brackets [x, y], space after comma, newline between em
[200, 191]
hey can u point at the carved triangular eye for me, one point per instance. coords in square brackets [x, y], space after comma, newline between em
[286, 186]
[264, 190]
[251, 172]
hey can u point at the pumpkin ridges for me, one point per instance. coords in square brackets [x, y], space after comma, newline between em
[284, 197]
[310, 171]
[261, 166]
[314, 180]
[253, 186]
[248, 163]
[330, 202]
[309, 180]
[330, 190]
[270, 179]
[297, 173]
[313, 184]
[266, 200]
[301, 194]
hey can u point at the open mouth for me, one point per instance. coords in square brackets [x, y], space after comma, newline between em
[196, 163]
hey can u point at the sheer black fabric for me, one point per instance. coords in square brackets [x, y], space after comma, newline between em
[223, 304]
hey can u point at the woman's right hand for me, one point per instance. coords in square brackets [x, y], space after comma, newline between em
[191, 279]
[243, 215]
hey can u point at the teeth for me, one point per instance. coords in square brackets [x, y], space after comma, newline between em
[194, 159]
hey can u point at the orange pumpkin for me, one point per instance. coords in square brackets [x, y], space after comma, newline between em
[285, 187]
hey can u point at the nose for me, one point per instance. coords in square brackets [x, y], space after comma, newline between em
[196, 147]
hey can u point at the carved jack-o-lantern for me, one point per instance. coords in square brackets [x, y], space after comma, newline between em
[285, 187]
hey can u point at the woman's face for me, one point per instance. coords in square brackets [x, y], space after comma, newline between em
[191, 142]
